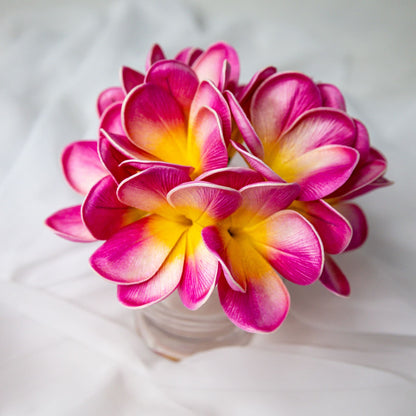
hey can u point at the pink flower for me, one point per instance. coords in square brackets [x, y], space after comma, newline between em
[162, 251]
[258, 244]
[299, 132]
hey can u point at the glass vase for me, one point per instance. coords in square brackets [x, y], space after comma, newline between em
[175, 332]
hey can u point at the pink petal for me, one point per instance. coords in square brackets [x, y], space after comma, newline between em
[68, 224]
[155, 54]
[200, 272]
[224, 248]
[178, 79]
[245, 95]
[334, 230]
[332, 97]
[377, 184]
[362, 176]
[188, 55]
[207, 142]
[111, 119]
[356, 217]
[257, 164]
[161, 285]
[155, 123]
[148, 190]
[112, 158]
[362, 141]
[261, 200]
[203, 202]
[291, 245]
[279, 101]
[321, 171]
[232, 177]
[146, 164]
[208, 95]
[81, 165]
[209, 65]
[225, 76]
[123, 145]
[108, 97]
[262, 308]
[334, 279]
[130, 79]
[136, 252]
[103, 213]
[246, 129]
[316, 128]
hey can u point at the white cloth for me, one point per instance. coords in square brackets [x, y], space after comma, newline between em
[69, 348]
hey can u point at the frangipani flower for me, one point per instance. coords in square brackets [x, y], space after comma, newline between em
[172, 118]
[164, 250]
[292, 138]
[219, 64]
[258, 244]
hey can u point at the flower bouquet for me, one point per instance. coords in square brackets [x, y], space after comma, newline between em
[176, 217]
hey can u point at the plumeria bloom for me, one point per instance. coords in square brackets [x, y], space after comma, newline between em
[171, 120]
[297, 112]
[218, 64]
[292, 138]
[164, 251]
[258, 244]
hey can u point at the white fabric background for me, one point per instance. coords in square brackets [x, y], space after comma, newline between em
[67, 347]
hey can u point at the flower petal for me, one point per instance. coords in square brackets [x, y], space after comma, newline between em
[111, 119]
[232, 177]
[264, 305]
[155, 123]
[209, 64]
[279, 101]
[200, 271]
[208, 95]
[291, 245]
[81, 165]
[103, 213]
[136, 252]
[178, 79]
[332, 97]
[161, 285]
[356, 217]
[203, 202]
[334, 279]
[257, 164]
[108, 97]
[188, 55]
[130, 79]
[68, 224]
[245, 94]
[148, 190]
[335, 231]
[112, 158]
[313, 129]
[155, 54]
[378, 183]
[146, 164]
[121, 143]
[223, 247]
[372, 169]
[320, 171]
[261, 200]
[207, 150]
[362, 141]
[244, 126]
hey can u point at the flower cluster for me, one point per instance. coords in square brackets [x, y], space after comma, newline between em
[157, 186]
